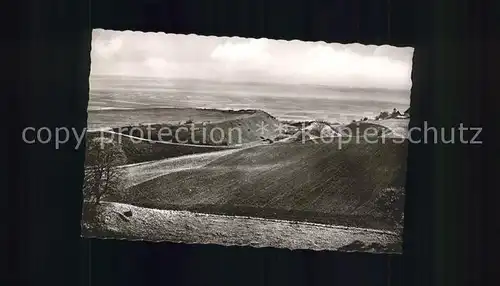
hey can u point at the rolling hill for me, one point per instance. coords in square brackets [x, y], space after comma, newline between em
[147, 143]
[138, 151]
[124, 117]
[240, 130]
[307, 182]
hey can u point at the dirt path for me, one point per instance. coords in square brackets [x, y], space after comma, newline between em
[170, 143]
[141, 172]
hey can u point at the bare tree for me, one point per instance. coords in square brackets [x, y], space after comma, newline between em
[102, 172]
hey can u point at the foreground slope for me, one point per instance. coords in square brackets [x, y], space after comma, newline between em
[315, 182]
[188, 227]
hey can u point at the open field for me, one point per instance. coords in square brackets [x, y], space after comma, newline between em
[187, 227]
[314, 182]
[312, 195]
[287, 102]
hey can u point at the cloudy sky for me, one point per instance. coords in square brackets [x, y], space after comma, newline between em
[239, 59]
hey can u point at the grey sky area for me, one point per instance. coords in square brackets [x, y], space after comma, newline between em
[238, 59]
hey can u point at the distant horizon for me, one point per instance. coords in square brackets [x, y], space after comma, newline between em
[244, 81]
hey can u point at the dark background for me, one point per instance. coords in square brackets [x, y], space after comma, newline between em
[445, 241]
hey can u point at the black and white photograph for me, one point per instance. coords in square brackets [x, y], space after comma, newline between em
[246, 142]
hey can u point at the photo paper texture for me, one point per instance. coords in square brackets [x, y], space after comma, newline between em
[246, 142]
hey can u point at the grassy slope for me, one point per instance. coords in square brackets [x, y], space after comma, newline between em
[315, 182]
[388, 127]
[137, 152]
[398, 127]
[139, 173]
[360, 129]
[143, 151]
[248, 125]
[117, 118]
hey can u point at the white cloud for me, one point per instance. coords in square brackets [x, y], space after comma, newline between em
[342, 66]
[107, 48]
[168, 55]
[252, 51]
[156, 63]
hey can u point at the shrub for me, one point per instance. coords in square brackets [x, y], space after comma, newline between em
[382, 115]
[390, 203]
